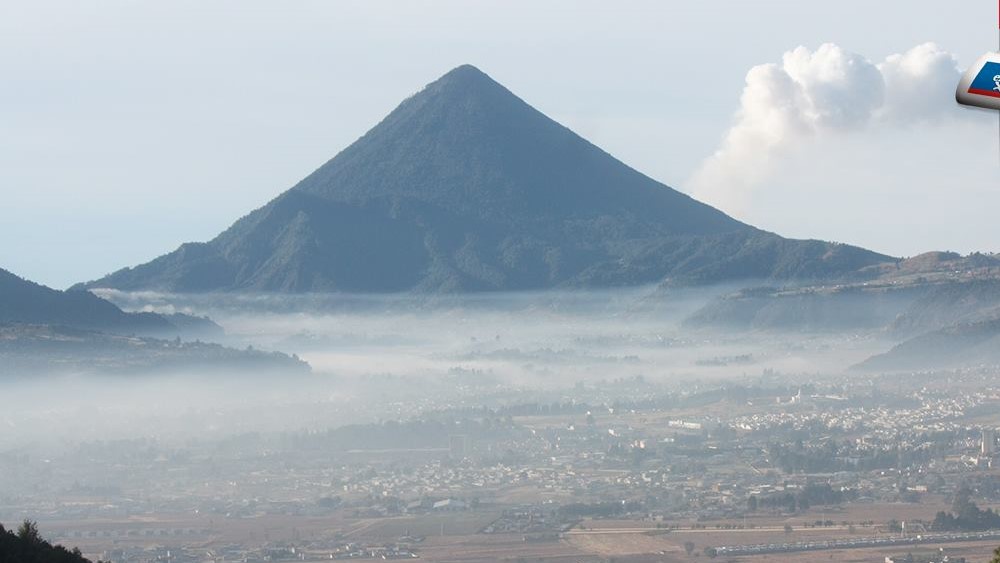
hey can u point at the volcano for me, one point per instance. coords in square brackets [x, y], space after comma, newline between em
[464, 187]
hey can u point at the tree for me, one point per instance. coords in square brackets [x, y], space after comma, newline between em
[788, 528]
[752, 503]
[28, 532]
[962, 503]
[996, 556]
[26, 545]
[689, 547]
[966, 515]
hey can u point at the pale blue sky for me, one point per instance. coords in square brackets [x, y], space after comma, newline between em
[127, 128]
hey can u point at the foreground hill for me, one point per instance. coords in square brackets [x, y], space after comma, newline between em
[26, 546]
[465, 187]
[23, 301]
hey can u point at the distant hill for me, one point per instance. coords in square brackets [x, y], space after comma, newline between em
[949, 304]
[23, 301]
[934, 264]
[924, 293]
[465, 187]
[962, 345]
[806, 308]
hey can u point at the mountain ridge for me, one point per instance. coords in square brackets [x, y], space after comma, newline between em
[466, 187]
[25, 302]
[46, 331]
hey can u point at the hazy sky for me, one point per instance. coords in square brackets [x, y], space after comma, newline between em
[127, 127]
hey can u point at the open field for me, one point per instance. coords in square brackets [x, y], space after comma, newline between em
[502, 547]
[670, 546]
[454, 524]
[591, 541]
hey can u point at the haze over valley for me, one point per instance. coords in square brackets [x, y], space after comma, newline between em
[473, 335]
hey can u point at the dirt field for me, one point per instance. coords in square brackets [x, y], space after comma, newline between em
[508, 547]
[457, 524]
[593, 541]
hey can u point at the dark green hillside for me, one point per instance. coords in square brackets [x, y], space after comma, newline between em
[27, 546]
[23, 301]
[26, 302]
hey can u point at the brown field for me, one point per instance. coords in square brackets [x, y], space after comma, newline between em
[221, 530]
[975, 552]
[455, 524]
[670, 547]
[506, 547]
[880, 513]
[610, 545]
[592, 541]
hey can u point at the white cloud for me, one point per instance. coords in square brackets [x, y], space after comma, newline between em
[826, 92]
[920, 84]
[839, 88]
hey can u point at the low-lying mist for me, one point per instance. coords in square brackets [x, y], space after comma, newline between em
[378, 358]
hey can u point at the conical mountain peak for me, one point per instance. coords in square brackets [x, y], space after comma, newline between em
[462, 87]
[469, 146]
[465, 79]
[466, 187]
[466, 85]
[464, 74]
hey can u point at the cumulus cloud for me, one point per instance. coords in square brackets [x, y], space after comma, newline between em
[919, 84]
[825, 92]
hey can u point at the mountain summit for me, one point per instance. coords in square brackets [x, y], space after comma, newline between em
[465, 187]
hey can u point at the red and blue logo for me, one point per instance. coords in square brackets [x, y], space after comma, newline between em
[987, 82]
